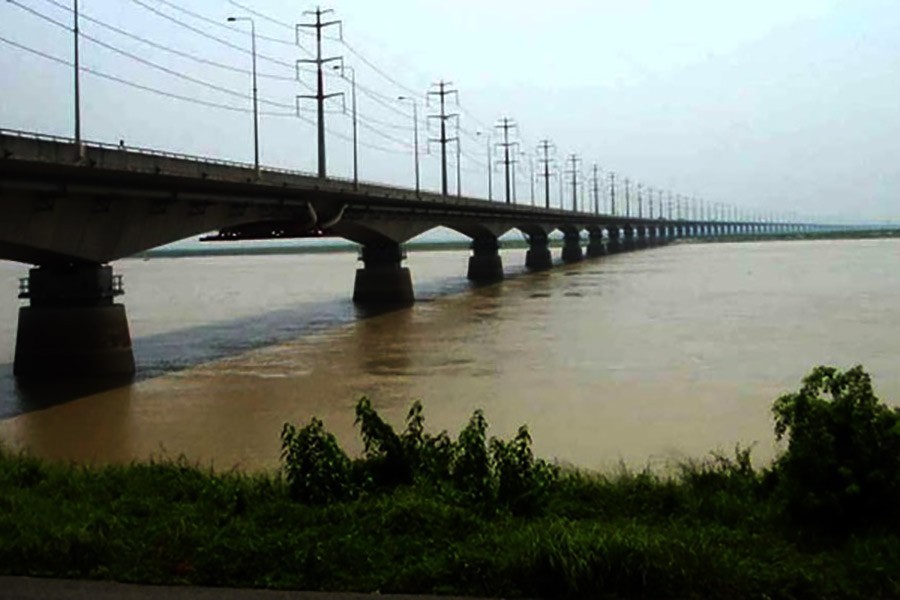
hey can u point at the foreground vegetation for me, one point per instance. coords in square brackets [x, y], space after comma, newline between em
[472, 515]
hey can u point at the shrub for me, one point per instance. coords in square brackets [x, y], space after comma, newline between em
[317, 470]
[841, 469]
[522, 481]
[472, 473]
[387, 462]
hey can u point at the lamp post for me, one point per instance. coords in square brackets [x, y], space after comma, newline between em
[343, 68]
[458, 167]
[415, 136]
[489, 166]
[255, 91]
[79, 149]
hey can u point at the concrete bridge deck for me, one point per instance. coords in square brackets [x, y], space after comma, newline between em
[71, 210]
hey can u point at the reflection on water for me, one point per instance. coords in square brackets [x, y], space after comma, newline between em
[644, 357]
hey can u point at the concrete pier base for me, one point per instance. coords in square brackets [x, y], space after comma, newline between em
[614, 244]
[87, 341]
[72, 327]
[485, 264]
[572, 251]
[641, 241]
[628, 242]
[596, 247]
[538, 257]
[383, 281]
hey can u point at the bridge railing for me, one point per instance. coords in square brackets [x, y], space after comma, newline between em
[152, 152]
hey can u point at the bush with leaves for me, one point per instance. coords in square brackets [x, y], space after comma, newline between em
[472, 473]
[841, 469]
[492, 473]
[522, 480]
[386, 461]
[317, 469]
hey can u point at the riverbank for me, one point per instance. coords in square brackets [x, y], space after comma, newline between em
[421, 513]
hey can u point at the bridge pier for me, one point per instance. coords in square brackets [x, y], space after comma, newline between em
[485, 264]
[596, 248]
[538, 257]
[615, 240]
[628, 243]
[572, 251]
[383, 280]
[72, 326]
[642, 242]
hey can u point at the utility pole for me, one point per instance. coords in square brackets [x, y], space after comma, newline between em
[670, 206]
[640, 199]
[650, 201]
[442, 92]
[574, 160]
[79, 149]
[627, 197]
[458, 164]
[562, 185]
[320, 95]
[506, 125]
[490, 174]
[415, 138]
[531, 173]
[545, 146]
[596, 186]
[612, 193]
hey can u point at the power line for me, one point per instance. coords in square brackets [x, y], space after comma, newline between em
[346, 44]
[149, 63]
[163, 47]
[140, 86]
[189, 99]
[256, 13]
[210, 85]
[210, 36]
[206, 19]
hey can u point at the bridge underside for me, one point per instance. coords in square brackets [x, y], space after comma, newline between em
[71, 220]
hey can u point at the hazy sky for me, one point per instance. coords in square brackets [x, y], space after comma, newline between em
[769, 105]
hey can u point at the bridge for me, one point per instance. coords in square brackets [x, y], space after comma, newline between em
[72, 209]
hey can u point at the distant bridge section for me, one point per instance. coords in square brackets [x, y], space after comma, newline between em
[70, 211]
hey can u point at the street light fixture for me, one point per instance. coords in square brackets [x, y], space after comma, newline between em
[255, 91]
[415, 107]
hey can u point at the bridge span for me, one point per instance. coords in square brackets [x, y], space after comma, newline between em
[72, 210]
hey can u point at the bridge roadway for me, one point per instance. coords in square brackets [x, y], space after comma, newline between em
[71, 211]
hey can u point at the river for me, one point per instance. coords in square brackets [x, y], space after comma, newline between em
[642, 359]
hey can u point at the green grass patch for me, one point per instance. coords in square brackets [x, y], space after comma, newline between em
[471, 515]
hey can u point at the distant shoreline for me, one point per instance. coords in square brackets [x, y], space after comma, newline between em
[341, 247]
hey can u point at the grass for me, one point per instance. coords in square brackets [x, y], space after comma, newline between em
[419, 513]
[708, 533]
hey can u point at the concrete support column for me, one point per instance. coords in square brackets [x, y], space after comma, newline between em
[628, 243]
[383, 280]
[72, 327]
[572, 251]
[596, 248]
[485, 264]
[538, 257]
[614, 243]
[642, 239]
[653, 236]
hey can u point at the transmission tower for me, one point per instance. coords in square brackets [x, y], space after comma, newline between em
[545, 147]
[320, 95]
[574, 160]
[506, 125]
[443, 90]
